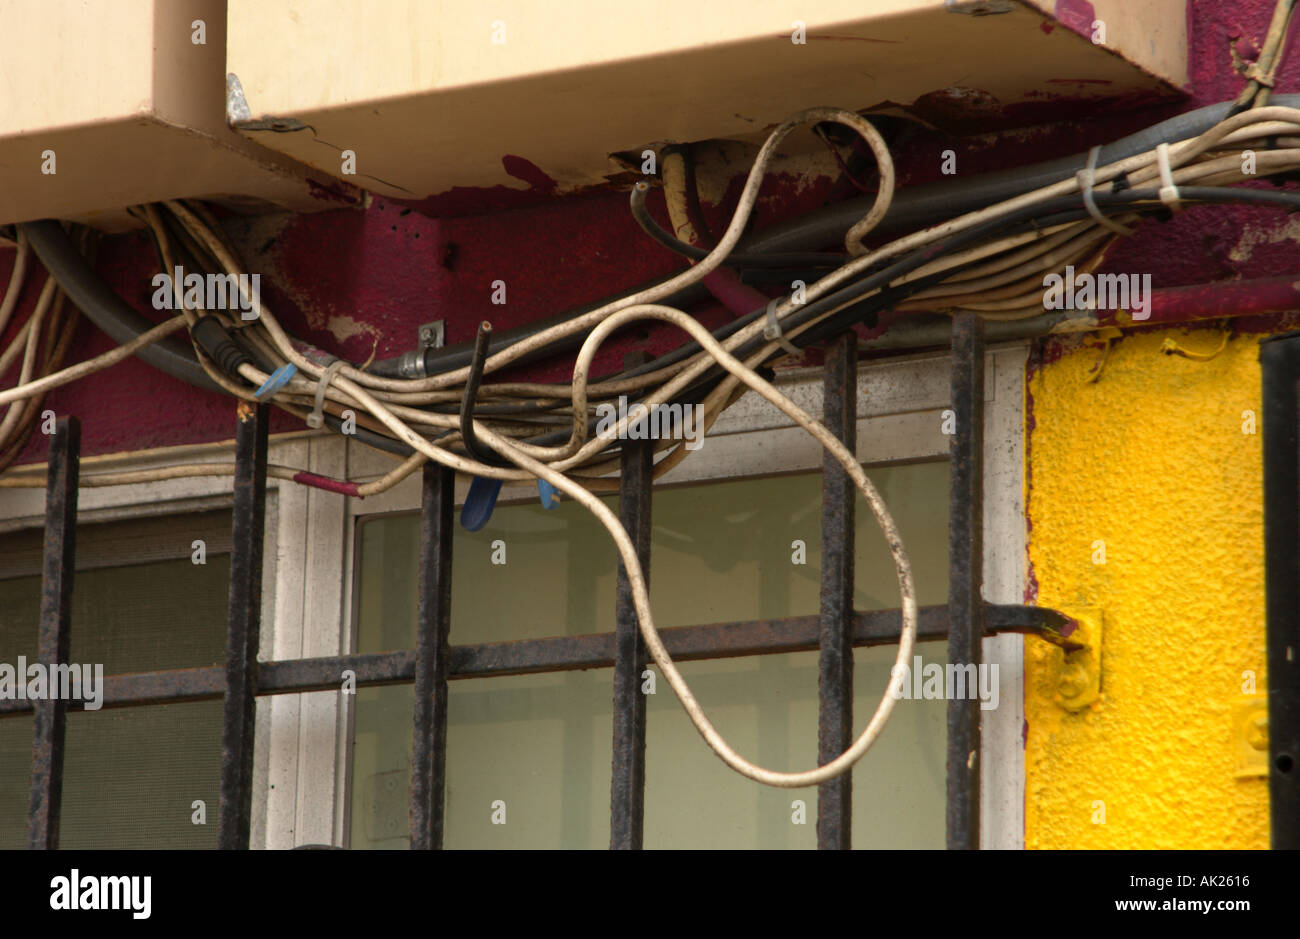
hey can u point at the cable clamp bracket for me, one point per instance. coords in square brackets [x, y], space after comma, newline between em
[317, 416]
[1168, 191]
[1259, 76]
[1087, 179]
[772, 331]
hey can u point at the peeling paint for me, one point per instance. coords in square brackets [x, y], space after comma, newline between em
[345, 327]
[1254, 234]
[1077, 15]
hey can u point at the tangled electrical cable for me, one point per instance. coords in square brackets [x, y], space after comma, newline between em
[42, 341]
[990, 261]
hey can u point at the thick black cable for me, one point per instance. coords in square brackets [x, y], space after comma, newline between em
[103, 307]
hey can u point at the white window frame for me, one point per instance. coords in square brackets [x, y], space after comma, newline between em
[301, 760]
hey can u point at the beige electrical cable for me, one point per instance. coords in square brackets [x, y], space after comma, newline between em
[636, 577]
[1000, 277]
[580, 324]
[49, 301]
[82, 369]
[14, 289]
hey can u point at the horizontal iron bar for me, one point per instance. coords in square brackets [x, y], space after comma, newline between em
[561, 653]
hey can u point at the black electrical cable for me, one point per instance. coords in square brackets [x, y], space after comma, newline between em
[467, 402]
[1060, 210]
[104, 307]
[1056, 211]
[912, 208]
[918, 206]
[738, 259]
[1121, 201]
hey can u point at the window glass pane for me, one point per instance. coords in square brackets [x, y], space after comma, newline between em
[721, 552]
[131, 775]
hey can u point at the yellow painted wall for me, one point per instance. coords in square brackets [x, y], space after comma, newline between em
[1151, 459]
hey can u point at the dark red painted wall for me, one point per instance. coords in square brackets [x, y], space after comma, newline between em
[391, 268]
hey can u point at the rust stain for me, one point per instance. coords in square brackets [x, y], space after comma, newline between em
[331, 193]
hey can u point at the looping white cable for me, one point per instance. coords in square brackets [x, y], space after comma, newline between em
[317, 416]
[999, 276]
[772, 331]
[1087, 179]
[1168, 191]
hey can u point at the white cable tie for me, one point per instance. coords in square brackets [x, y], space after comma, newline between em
[1087, 179]
[1168, 191]
[773, 329]
[317, 416]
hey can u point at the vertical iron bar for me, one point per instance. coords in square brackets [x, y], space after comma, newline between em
[835, 664]
[429, 772]
[244, 629]
[966, 578]
[1280, 360]
[50, 713]
[627, 777]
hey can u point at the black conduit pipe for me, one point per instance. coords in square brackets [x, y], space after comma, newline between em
[103, 307]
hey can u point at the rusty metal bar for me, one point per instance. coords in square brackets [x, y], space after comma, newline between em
[244, 627]
[835, 632]
[562, 653]
[627, 775]
[50, 713]
[966, 577]
[1280, 364]
[429, 769]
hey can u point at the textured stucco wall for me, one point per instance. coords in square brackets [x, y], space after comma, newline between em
[1152, 459]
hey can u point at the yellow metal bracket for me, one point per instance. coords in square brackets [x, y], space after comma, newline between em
[1250, 736]
[1078, 683]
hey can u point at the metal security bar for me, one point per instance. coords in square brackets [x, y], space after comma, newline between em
[964, 621]
[966, 576]
[1279, 358]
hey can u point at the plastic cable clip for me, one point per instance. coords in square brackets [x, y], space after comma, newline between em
[317, 416]
[773, 329]
[479, 502]
[550, 498]
[1168, 191]
[1087, 179]
[277, 380]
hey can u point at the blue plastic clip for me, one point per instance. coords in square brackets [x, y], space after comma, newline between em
[550, 498]
[479, 503]
[277, 380]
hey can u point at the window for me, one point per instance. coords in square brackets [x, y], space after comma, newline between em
[329, 765]
[721, 553]
[139, 604]
[134, 549]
